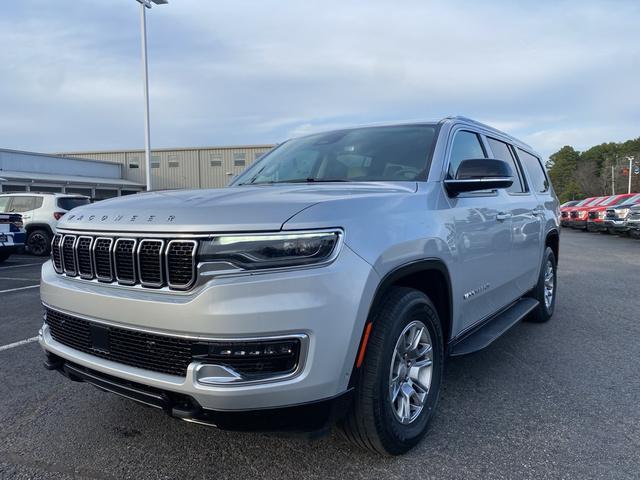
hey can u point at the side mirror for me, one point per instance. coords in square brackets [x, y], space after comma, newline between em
[480, 174]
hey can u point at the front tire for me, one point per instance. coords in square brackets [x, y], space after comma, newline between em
[545, 290]
[399, 384]
[4, 256]
[39, 242]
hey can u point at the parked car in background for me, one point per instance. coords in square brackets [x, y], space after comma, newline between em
[615, 219]
[565, 208]
[12, 234]
[40, 214]
[633, 221]
[578, 214]
[595, 215]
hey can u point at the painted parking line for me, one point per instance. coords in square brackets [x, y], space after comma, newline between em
[19, 288]
[17, 344]
[21, 279]
[22, 265]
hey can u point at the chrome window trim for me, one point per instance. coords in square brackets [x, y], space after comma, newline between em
[133, 260]
[111, 242]
[69, 272]
[193, 264]
[151, 284]
[90, 250]
[302, 336]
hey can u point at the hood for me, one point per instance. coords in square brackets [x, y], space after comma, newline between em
[231, 209]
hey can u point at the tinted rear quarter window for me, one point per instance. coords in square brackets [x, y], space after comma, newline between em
[537, 177]
[67, 203]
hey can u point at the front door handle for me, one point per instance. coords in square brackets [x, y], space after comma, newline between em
[537, 212]
[502, 216]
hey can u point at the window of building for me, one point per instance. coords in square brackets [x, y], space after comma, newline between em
[128, 192]
[239, 159]
[257, 155]
[502, 151]
[134, 162]
[533, 167]
[45, 188]
[173, 161]
[104, 193]
[215, 159]
[79, 191]
[155, 161]
[7, 187]
[466, 145]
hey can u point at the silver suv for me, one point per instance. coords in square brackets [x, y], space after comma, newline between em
[328, 283]
[40, 214]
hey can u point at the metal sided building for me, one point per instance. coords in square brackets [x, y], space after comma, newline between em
[205, 167]
[37, 172]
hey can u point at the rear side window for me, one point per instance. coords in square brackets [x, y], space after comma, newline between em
[23, 204]
[67, 203]
[502, 151]
[533, 167]
[466, 145]
[4, 204]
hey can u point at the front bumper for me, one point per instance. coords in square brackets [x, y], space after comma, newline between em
[328, 305]
[616, 225]
[308, 417]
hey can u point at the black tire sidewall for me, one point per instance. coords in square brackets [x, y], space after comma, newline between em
[396, 437]
[47, 238]
[549, 255]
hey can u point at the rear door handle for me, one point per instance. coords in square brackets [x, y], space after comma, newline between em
[502, 216]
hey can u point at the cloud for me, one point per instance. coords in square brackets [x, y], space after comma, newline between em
[258, 71]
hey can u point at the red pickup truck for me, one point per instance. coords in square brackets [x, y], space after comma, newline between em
[578, 214]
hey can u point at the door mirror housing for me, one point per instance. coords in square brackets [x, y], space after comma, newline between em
[477, 174]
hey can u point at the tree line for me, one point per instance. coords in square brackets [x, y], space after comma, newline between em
[576, 174]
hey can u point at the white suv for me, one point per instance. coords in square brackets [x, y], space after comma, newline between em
[40, 214]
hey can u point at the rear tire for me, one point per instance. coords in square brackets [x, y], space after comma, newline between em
[4, 256]
[546, 289]
[391, 412]
[39, 242]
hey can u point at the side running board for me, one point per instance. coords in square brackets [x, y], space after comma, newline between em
[494, 328]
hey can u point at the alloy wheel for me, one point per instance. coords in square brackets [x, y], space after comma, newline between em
[411, 372]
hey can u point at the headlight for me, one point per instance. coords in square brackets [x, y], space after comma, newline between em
[623, 212]
[277, 250]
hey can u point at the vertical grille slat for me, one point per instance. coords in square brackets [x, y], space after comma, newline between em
[83, 257]
[124, 257]
[56, 254]
[148, 262]
[102, 259]
[150, 256]
[180, 258]
[69, 255]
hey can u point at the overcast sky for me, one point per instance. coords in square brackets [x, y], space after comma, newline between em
[228, 72]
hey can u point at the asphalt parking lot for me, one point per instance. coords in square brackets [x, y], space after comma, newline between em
[560, 400]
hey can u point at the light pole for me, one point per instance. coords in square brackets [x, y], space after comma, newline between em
[144, 4]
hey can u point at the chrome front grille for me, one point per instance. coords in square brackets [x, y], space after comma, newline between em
[149, 262]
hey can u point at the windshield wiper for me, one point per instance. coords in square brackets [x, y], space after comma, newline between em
[319, 180]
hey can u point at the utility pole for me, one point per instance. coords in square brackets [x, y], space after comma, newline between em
[613, 179]
[144, 4]
[630, 173]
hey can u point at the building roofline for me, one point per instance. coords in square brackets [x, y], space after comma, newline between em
[141, 150]
[51, 155]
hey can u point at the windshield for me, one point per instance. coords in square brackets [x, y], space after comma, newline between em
[67, 203]
[634, 199]
[595, 201]
[398, 153]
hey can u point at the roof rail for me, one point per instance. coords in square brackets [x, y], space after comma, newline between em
[485, 126]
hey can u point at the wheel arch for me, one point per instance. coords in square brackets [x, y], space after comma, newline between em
[430, 276]
[552, 240]
[39, 226]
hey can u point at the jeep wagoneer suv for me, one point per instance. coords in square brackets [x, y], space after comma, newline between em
[328, 283]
